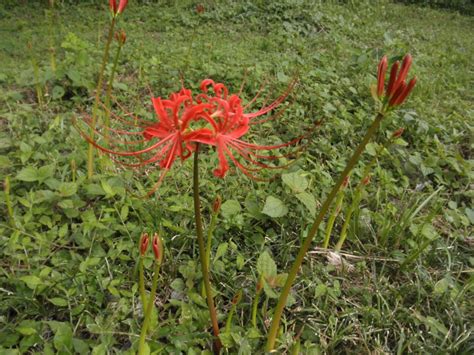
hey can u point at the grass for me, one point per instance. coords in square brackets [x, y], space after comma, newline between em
[68, 275]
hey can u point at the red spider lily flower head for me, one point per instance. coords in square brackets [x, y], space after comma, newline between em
[221, 123]
[157, 245]
[117, 8]
[397, 89]
[121, 37]
[158, 142]
[228, 123]
[144, 241]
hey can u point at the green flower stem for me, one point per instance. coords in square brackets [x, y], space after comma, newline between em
[358, 194]
[8, 202]
[141, 283]
[202, 253]
[235, 303]
[350, 211]
[109, 91]
[90, 155]
[39, 91]
[332, 218]
[149, 309]
[210, 233]
[255, 303]
[272, 333]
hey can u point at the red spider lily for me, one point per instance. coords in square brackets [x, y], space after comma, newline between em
[229, 123]
[397, 89]
[174, 134]
[117, 8]
[170, 135]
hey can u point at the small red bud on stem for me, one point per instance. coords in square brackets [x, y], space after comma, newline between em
[366, 180]
[144, 243]
[216, 206]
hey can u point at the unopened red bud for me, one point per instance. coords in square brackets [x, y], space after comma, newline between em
[237, 297]
[157, 245]
[122, 6]
[381, 75]
[144, 243]
[406, 91]
[366, 180]
[121, 37]
[393, 77]
[216, 206]
[406, 64]
[395, 98]
[113, 6]
[398, 133]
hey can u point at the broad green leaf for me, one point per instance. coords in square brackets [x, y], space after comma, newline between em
[67, 189]
[274, 207]
[269, 291]
[45, 172]
[266, 266]
[28, 174]
[295, 181]
[308, 200]
[107, 188]
[230, 208]
[57, 301]
[24, 330]
[31, 281]
[221, 250]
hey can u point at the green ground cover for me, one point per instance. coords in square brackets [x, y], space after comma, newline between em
[68, 255]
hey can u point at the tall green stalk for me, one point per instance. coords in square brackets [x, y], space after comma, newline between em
[358, 192]
[105, 58]
[109, 90]
[202, 253]
[272, 333]
[6, 189]
[149, 309]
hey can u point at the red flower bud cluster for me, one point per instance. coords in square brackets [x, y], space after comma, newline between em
[156, 244]
[117, 8]
[397, 89]
[121, 37]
